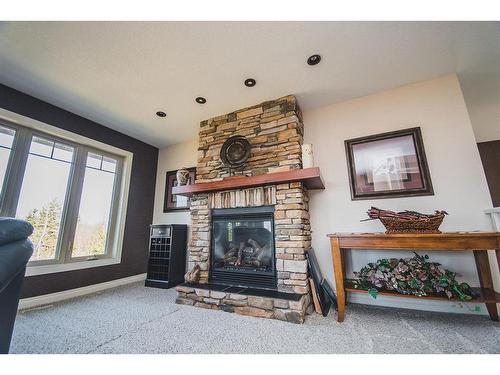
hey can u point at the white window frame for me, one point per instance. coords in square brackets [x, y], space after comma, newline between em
[119, 205]
[74, 205]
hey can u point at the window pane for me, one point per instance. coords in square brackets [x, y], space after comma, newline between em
[94, 161]
[6, 141]
[42, 147]
[109, 164]
[43, 193]
[94, 214]
[6, 137]
[63, 152]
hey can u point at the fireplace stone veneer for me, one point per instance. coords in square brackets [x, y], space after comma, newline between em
[275, 132]
[282, 306]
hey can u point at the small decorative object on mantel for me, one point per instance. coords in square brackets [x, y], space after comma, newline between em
[173, 179]
[407, 221]
[413, 275]
[182, 176]
[307, 156]
[193, 276]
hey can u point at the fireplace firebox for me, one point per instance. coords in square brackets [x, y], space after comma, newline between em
[242, 247]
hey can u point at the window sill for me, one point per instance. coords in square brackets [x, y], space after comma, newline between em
[54, 268]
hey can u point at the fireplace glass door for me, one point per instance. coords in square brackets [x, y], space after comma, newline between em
[243, 247]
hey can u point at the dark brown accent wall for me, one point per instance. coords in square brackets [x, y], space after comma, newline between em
[490, 156]
[140, 203]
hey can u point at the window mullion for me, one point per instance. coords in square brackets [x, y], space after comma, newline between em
[111, 229]
[15, 172]
[73, 204]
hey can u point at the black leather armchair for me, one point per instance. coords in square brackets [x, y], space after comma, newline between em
[15, 252]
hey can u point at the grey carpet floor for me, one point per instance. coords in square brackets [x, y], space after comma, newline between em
[135, 319]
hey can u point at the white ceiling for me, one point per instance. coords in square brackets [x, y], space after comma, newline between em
[120, 73]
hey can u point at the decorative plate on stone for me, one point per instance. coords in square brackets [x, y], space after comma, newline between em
[235, 151]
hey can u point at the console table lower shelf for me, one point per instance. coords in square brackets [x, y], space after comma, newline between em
[477, 242]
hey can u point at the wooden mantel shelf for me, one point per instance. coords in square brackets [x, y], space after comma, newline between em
[311, 178]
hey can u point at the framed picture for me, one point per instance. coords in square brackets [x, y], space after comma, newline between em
[176, 202]
[388, 165]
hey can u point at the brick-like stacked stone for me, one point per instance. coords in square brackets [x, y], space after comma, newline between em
[275, 132]
[263, 307]
[292, 236]
[199, 245]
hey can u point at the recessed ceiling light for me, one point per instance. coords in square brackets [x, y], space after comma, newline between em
[250, 82]
[201, 100]
[314, 60]
[161, 114]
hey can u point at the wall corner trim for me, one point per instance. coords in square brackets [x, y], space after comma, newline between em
[46, 299]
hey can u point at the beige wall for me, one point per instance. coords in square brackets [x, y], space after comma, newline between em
[438, 107]
[169, 159]
[482, 97]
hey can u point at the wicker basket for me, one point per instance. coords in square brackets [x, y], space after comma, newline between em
[420, 225]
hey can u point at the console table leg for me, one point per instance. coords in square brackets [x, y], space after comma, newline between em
[339, 278]
[485, 279]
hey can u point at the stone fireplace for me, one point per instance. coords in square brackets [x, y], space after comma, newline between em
[250, 243]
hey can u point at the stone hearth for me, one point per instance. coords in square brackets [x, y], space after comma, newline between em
[289, 307]
[275, 132]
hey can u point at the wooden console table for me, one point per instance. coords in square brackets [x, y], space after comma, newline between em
[477, 242]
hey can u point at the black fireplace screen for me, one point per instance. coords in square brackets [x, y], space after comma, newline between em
[243, 247]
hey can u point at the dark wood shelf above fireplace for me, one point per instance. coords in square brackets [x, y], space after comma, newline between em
[311, 178]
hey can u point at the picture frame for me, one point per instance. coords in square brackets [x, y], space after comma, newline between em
[176, 202]
[388, 165]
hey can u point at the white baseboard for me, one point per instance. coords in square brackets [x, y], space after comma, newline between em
[46, 299]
